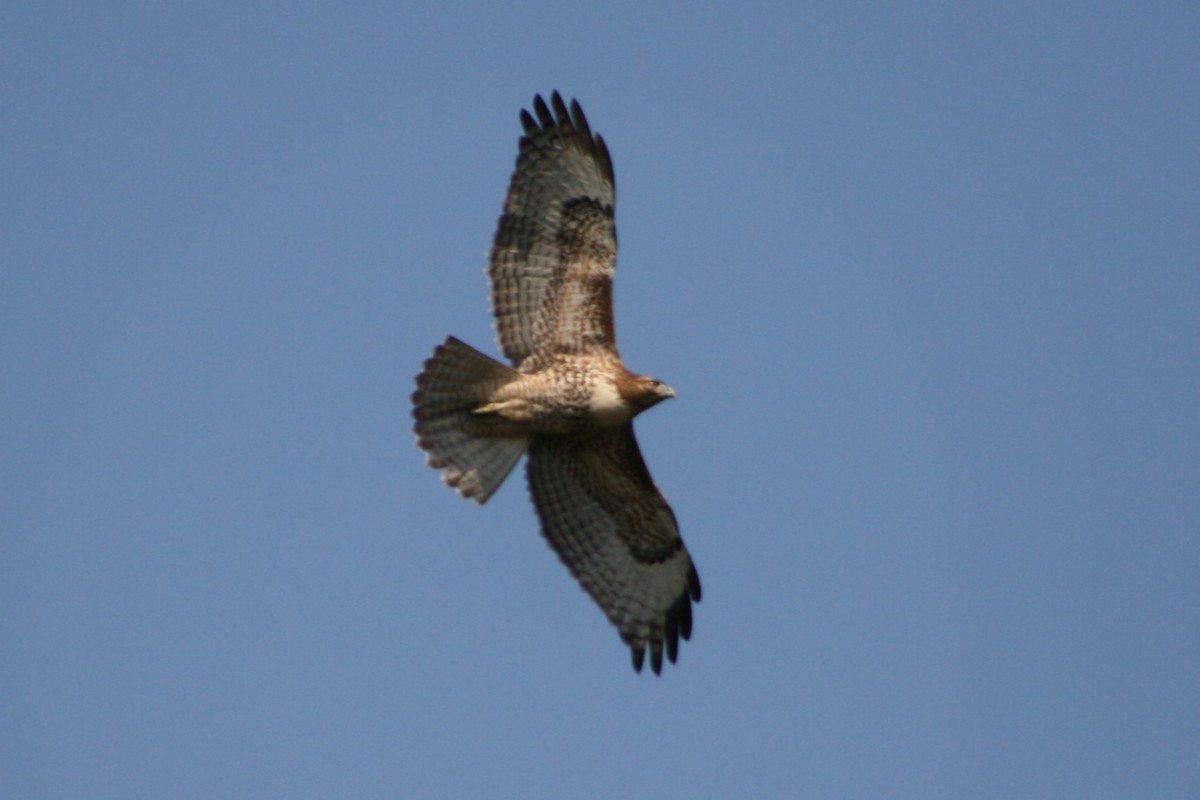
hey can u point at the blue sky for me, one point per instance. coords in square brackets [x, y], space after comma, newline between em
[925, 277]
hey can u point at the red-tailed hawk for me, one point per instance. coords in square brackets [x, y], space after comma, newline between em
[568, 401]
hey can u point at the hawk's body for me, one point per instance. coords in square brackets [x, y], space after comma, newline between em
[568, 401]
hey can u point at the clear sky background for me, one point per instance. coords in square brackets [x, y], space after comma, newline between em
[926, 277]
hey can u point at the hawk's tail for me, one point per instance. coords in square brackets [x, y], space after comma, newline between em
[455, 382]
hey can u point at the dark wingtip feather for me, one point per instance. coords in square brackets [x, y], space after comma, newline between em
[579, 120]
[528, 123]
[694, 584]
[605, 160]
[656, 654]
[543, 113]
[561, 115]
[639, 657]
[685, 619]
[672, 641]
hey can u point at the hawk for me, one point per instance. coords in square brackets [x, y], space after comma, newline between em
[567, 401]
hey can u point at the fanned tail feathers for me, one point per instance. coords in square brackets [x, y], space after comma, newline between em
[455, 382]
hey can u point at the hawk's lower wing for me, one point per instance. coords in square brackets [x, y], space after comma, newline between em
[602, 513]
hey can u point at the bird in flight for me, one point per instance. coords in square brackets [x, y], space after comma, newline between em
[567, 402]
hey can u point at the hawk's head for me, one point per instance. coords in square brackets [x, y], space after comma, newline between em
[642, 392]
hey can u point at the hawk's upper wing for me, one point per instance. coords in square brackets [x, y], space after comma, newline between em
[556, 245]
[602, 513]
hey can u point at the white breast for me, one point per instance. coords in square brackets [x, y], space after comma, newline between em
[606, 404]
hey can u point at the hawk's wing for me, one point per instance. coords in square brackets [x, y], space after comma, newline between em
[556, 245]
[602, 513]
